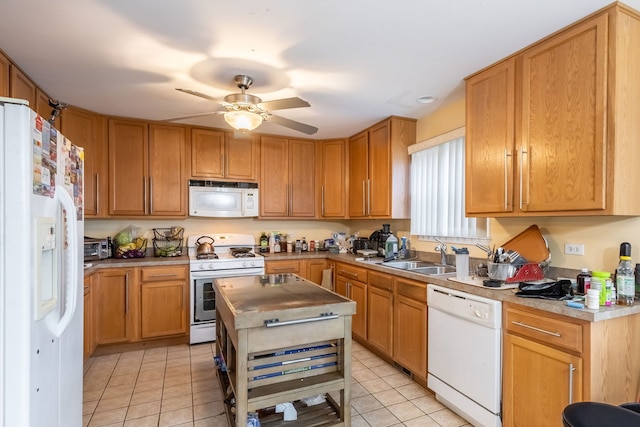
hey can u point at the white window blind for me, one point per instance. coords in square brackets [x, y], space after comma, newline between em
[437, 194]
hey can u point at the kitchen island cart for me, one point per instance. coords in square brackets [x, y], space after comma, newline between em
[281, 338]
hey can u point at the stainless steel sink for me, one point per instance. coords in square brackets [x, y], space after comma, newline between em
[421, 267]
[436, 269]
[407, 265]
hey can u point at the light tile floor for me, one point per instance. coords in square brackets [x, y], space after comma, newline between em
[176, 386]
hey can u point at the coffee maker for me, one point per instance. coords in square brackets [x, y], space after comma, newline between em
[378, 239]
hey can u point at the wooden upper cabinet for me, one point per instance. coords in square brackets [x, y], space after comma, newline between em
[4, 75]
[573, 123]
[333, 178]
[167, 170]
[128, 166]
[287, 177]
[379, 169]
[490, 127]
[220, 155]
[89, 131]
[43, 108]
[20, 86]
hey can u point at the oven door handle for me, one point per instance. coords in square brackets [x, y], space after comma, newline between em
[272, 323]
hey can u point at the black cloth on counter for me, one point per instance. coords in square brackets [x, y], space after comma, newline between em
[559, 290]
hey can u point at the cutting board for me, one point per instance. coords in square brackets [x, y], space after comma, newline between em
[531, 244]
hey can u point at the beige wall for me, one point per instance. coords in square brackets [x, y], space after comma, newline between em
[601, 236]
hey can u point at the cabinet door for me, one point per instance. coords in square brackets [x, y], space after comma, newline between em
[341, 287]
[283, 266]
[564, 100]
[167, 187]
[315, 270]
[207, 153]
[358, 180]
[410, 335]
[379, 170]
[358, 293]
[163, 308]
[380, 312]
[274, 177]
[88, 343]
[242, 157]
[4, 75]
[128, 166]
[302, 178]
[88, 130]
[489, 149]
[21, 87]
[113, 309]
[539, 381]
[333, 179]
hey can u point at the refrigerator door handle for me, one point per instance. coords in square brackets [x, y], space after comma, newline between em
[71, 279]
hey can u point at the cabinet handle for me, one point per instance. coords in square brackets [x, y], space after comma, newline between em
[144, 193]
[163, 275]
[283, 269]
[524, 325]
[506, 178]
[290, 199]
[348, 289]
[322, 200]
[364, 199]
[272, 323]
[97, 194]
[126, 292]
[348, 273]
[522, 153]
[368, 197]
[150, 195]
[571, 369]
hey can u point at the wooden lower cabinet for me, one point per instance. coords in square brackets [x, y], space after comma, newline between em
[114, 305]
[315, 269]
[351, 282]
[410, 326]
[138, 304]
[88, 336]
[294, 266]
[539, 381]
[164, 302]
[380, 312]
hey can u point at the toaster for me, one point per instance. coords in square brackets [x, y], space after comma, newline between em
[95, 249]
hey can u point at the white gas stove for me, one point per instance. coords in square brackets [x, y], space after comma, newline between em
[233, 255]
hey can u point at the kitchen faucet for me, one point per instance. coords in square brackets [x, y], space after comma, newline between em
[442, 247]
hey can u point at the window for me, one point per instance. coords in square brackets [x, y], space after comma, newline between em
[437, 191]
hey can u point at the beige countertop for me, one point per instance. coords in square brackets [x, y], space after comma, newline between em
[504, 295]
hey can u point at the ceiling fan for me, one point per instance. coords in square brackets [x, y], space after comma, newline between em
[246, 112]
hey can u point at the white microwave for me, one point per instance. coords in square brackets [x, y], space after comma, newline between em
[223, 199]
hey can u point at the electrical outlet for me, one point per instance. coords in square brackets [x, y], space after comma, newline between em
[573, 249]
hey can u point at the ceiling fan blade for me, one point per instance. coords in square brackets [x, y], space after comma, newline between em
[284, 103]
[192, 116]
[202, 95]
[292, 124]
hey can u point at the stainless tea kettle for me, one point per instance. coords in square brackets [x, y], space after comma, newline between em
[205, 248]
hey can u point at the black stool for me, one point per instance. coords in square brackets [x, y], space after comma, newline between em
[594, 414]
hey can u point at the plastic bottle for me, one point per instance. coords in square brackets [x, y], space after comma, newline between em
[298, 246]
[402, 253]
[625, 277]
[391, 246]
[264, 242]
[584, 281]
[599, 281]
[462, 262]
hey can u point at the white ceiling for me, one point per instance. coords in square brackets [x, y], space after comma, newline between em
[355, 61]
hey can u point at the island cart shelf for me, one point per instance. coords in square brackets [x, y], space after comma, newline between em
[281, 338]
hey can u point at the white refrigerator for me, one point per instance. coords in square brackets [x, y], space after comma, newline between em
[41, 297]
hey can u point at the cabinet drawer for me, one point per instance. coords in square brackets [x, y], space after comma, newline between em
[411, 289]
[351, 272]
[154, 274]
[380, 280]
[288, 266]
[543, 328]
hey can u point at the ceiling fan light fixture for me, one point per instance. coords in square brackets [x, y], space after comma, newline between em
[243, 120]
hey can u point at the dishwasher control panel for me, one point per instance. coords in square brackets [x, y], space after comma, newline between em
[466, 306]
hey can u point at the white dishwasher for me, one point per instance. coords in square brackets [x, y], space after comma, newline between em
[465, 354]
